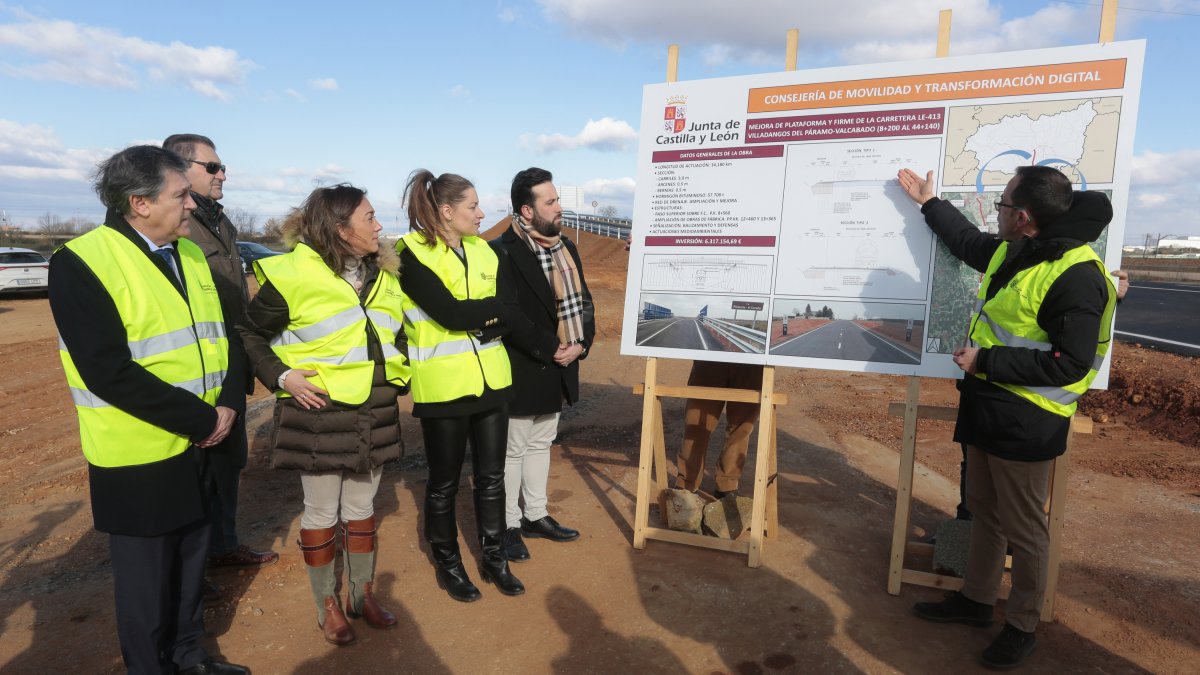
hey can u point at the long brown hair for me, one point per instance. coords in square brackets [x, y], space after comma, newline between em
[423, 197]
[316, 221]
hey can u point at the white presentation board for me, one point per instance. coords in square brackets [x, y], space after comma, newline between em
[769, 226]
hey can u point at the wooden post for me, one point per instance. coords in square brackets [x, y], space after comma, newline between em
[1108, 22]
[762, 465]
[646, 455]
[673, 63]
[904, 482]
[943, 43]
[793, 48]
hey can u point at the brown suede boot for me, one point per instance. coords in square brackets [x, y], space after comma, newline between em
[318, 548]
[360, 563]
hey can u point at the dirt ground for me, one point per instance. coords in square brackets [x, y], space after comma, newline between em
[1128, 593]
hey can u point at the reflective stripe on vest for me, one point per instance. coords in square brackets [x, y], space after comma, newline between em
[450, 364]
[327, 329]
[180, 342]
[1009, 319]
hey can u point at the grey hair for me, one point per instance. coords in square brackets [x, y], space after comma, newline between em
[139, 170]
[184, 145]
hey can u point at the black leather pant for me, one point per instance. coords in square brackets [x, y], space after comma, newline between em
[445, 448]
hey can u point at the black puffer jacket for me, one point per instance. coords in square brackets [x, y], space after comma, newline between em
[994, 419]
[338, 436]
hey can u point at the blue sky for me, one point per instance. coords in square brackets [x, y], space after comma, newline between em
[302, 93]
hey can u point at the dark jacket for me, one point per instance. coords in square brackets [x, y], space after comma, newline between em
[539, 384]
[356, 438]
[994, 419]
[425, 288]
[148, 499]
[217, 237]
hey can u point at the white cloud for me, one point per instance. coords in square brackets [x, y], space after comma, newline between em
[606, 134]
[46, 49]
[506, 13]
[459, 91]
[31, 151]
[722, 31]
[617, 192]
[324, 84]
[295, 94]
[1162, 194]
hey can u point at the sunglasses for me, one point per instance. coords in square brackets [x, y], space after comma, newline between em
[210, 167]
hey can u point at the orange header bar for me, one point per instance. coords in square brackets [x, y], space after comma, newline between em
[1052, 79]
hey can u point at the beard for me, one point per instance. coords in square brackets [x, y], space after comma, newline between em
[546, 228]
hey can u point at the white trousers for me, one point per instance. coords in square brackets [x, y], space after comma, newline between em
[527, 465]
[326, 491]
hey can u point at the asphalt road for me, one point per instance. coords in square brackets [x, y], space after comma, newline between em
[845, 340]
[675, 333]
[1162, 315]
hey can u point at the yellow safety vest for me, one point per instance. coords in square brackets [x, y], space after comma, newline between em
[1009, 319]
[327, 330]
[450, 364]
[182, 343]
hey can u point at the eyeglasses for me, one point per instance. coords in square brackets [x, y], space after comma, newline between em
[210, 167]
[998, 204]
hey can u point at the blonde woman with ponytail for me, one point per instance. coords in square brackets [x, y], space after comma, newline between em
[454, 317]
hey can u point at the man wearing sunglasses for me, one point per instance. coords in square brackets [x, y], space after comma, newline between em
[1041, 328]
[212, 231]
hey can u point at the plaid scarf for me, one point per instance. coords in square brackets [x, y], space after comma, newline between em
[562, 276]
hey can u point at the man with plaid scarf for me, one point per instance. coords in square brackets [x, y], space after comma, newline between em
[549, 291]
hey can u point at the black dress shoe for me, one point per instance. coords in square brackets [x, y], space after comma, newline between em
[1010, 649]
[210, 667]
[956, 608]
[513, 546]
[547, 528]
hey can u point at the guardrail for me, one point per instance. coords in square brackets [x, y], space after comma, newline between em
[746, 339]
[614, 228]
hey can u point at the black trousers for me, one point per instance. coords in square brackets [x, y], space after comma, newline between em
[225, 464]
[445, 449]
[158, 587]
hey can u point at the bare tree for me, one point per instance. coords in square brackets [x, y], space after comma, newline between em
[272, 230]
[50, 223]
[245, 222]
[608, 211]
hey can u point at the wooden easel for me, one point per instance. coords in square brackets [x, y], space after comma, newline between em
[911, 411]
[653, 459]
[764, 521]
[898, 574]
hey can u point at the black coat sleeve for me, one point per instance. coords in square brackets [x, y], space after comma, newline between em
[965, 241]
[1070, 314]
[426, 289]
[91, 328]
[267, 316]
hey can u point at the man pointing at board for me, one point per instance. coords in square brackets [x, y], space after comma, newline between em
[1041, 327]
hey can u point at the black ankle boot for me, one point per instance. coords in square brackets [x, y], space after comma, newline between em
[494, 567]
[452, 576]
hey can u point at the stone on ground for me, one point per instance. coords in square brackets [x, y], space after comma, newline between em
[728, 517]
[685, 510]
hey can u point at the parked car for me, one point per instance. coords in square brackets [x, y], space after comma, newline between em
[251, 251]
[23, 270]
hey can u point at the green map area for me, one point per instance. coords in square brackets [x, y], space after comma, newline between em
[955, 284]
